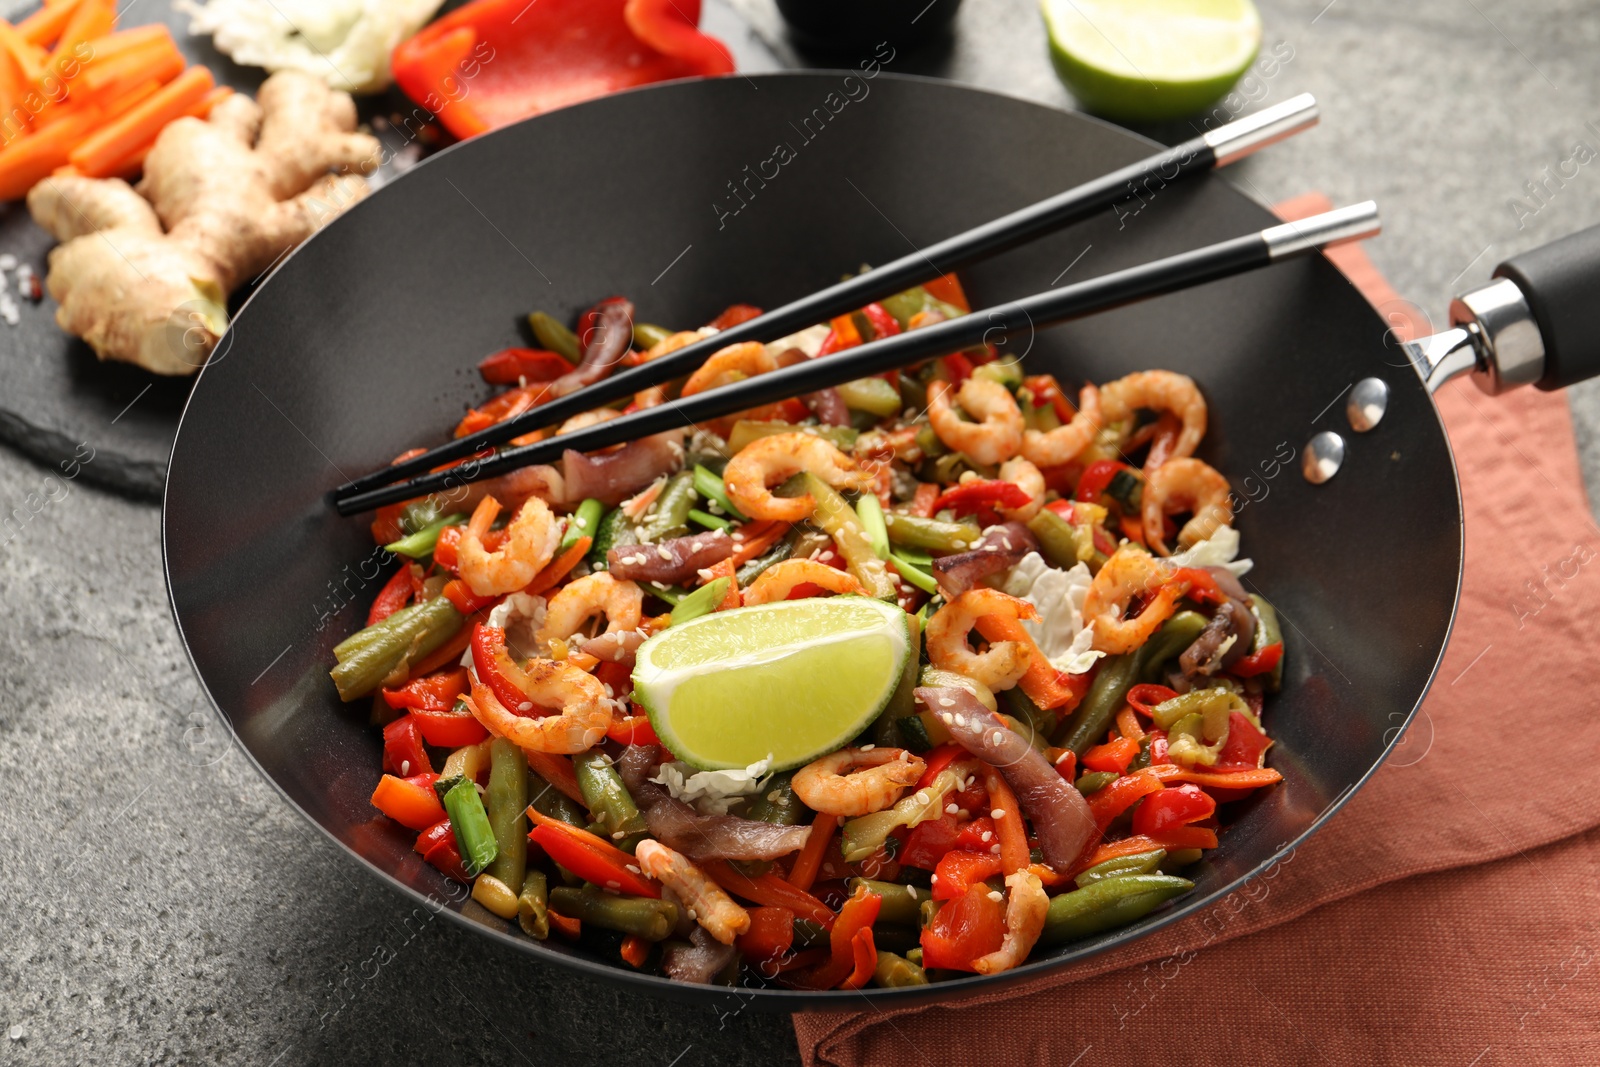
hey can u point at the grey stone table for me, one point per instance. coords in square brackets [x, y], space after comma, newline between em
[159, 903]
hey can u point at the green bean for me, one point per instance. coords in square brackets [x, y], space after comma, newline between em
[507, 800]
[778, 804]
[551, 802]
[1106, 904]
[903, 702]
[835, 515]
[1101, 704]
[870, 514]
[370, 656]
[913, 394]
[421, 543]
[1179, 858]
[1062, 543]
[1040, 721]
[710, 485]
[669, 515]
[614, 531]
[902, 904]
[779, 552]
[1118, 866]
[585, 522]
[533, 905]
[746, 431]
[608, 798]
[1094, 781]
[1268, 632]
[646, 336]
[928, 441]
[710, 522]
[474, 836]
[1175, 635]
[554, 336]
[934, 534]
[872, 395]
[700, 602]
[894, 972]
[644, 917]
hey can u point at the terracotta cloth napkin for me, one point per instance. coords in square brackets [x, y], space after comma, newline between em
[1450, 914]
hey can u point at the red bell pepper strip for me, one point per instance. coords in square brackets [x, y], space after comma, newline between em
[1046, 390]
[488, 652]
[1202, 587]
[409, 801]
[432, 836]
[507, 405]
[634, 730]
[842, 335]
[957, 367]
[936, 760]
[770, 890]
[1060, 507]
[1112, 756]
[1171, 808]
[970, 926]
[448, 729]
[1186, 837]
[559, 567]
[1096, 478]
[446, 856]
[922, 504]
[883, 324]
[928, 843]
[1247, 779]
[591, 858]
[635, 951]
[493, 62]
[865, 953]
[969, 497]
[1245, 748]
[446, 550]
[804, 872]
[1145, 696]
[437, 692]
[1008, 824]
[733, 315]
[971, 834]
[1257, 662]
[403, 753]
[466, 601]
[857, 916]
[960, 870]
[394, 595]
[947, 287]
[771, 934]
[514, 366]
[1121, 795]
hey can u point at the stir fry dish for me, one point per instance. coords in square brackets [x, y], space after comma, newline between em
[883, 685]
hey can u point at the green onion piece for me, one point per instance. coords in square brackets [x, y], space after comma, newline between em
[871, 514]
[702, 601]
[554, 336]
[670, 593]
[710, 522]
[709, 485]
[421, 543]
[474, 835]
[585, 522]
[913, 574]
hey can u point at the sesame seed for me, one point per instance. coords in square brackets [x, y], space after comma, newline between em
[935, 878]
[995, 849]
[988, 835]
[996, 896]
[693, 914]
[738, 536]
[772, 797]
[997, 814]
[961, 720]
[911, 891]
[526, 705]
[947, 717]
[618, 835]
[946, 702]
[663, 551]
[951, 808]
[923, 797]
[695, 546]
[996, 737]
[405, 768]
[613, 884]
[868, 748]
[963, 814]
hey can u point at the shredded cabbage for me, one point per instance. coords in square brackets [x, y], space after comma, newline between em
[1058, 595]
[808, 340]
[346, 43]
[1218, 550]
[711, 792]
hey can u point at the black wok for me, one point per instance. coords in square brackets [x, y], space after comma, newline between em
[364, 344]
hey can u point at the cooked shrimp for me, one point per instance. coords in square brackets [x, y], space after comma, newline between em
[1025, 915]
[744, 360]
[768, 461]
[585, 711]
[994, 437]
[1051, 448]
[707, 903]
[1185, 484]
[530, 544]
[620, 601]
[856, 781]
[1025, 476]
[1159, 390]
[673, 342]
[780, 579]
[1003, 663]
[1130, 575]
[588, 418]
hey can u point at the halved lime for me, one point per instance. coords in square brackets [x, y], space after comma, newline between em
[787, 681]
[1151, 60]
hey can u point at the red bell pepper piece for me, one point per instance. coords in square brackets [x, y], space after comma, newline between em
[968, 927]
[928, 843]
[461, 595]
[857, 916]
[1046, 390]
[635, 951]
[513, 366]
[488, 650]
[969, 497]
[1121, 795]
[446, 549]
[1180, 837]
[957, 367]
[1096, 478]
[394, 595]
[493, 62]
[936, 760]
[947, 287]
[1060, 507]
[403, 753]
[1171, 808]
[409, 801]
[733, 315]
[1258, 662]
[922, 503]
[971, 834]
[448, 729]
[883, 324]
[634, 730]
[436, 692]
[1112, 756]
[432, 836]
[1146, 696]
[446, 855]
[771, 934]
[864, 953]
[1246, 746]
[960, 870]
[1203, 587]
[591, 858]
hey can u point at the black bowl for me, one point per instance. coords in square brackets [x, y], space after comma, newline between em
[364, 342]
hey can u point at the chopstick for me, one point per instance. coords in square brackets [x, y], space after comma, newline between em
[1182, 271]
[1214, 148]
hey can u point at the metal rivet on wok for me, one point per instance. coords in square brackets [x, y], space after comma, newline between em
[1369, 399]
[1323, 456]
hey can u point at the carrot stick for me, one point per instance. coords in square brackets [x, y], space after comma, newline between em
[28, 159]
[806, 865]
[159, 61]
[559, 567]
[766, 889]
[757, 539]
[1128, 723]
[1128, 846]
[90, 19]
[1253, 779]
[1007, 816]
[25, 54]
[44, 26]
[120, 138]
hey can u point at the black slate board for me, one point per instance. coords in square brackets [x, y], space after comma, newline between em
[59, 404]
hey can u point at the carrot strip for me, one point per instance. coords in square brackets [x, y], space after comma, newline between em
[757, 539]
[725, 569]
[635, 950]
[1172, 772]
[28, 159]
[1007, 816]
[1042, 682]
[118, 139]
[769, 890]
[559, 567]
[1186, 837]
[44, 26]
[569, 929]
[804, 873]
[557, 770]
[1128, 723]
[1128, 846]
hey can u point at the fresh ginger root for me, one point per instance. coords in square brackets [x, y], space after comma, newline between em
[144, 276]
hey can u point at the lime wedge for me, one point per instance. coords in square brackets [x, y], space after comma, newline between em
[1151, 60]
[787, 681]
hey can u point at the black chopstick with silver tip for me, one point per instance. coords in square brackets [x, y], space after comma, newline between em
[1214, 148]
[1182, 271]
